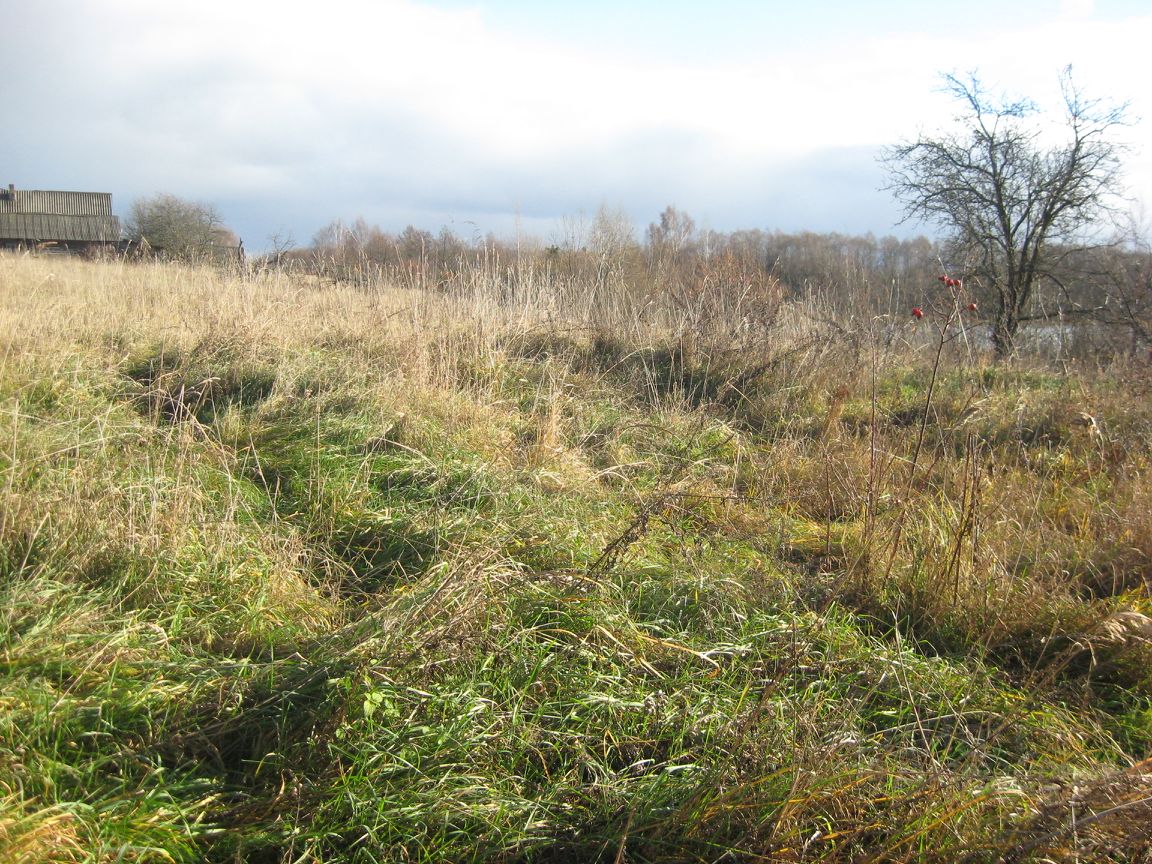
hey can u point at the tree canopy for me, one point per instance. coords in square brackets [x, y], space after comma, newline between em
[1011, 198]
[180, 228]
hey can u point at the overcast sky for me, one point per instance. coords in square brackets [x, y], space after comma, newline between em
[485, 115]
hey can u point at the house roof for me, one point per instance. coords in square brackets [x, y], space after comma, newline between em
[33, 215]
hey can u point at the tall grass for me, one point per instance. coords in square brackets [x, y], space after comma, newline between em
[514, 568]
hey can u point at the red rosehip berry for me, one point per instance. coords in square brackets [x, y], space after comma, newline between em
[917, 312]
[971, 307]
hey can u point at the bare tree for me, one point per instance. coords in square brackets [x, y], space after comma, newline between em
[669, 248]
[672, 234]
[610, 240]
[181, 229]
[1011, 201]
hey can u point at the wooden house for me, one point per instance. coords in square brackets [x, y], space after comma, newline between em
[74, 221]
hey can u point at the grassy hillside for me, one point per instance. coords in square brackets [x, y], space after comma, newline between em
[520, 570]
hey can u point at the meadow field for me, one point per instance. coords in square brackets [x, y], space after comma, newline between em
[516, 568]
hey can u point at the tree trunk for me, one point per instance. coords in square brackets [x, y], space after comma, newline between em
[1004, 331]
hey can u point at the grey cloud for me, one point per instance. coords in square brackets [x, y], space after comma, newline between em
[100, 109]
[832, 191]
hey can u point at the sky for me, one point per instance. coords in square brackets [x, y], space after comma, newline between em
[526, 116]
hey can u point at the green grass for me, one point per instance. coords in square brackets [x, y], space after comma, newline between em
[307, 574]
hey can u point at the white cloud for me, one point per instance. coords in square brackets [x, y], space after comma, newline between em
[1077, 8]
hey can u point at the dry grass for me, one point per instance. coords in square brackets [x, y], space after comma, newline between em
[519, 569]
